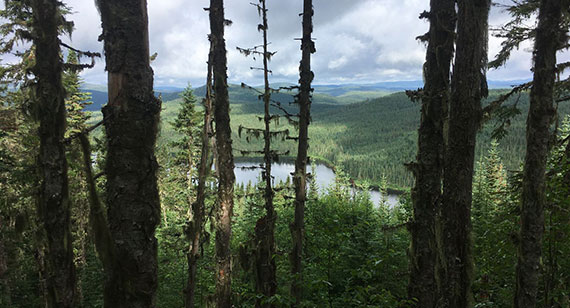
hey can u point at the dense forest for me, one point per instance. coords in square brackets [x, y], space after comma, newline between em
[124, 195]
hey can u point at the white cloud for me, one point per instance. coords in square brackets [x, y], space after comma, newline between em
[357, 41]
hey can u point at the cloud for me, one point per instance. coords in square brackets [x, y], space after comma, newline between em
[356, 41]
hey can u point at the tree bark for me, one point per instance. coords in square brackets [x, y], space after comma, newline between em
[300, 176]
[266, 280]
[538, 135]
[468, 87]
[131, 124]
[54, 192]
[225, 159]
[426, 194]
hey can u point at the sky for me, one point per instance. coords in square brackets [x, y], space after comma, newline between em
[357, 41]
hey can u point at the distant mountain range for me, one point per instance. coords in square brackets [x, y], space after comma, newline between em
[324, 94]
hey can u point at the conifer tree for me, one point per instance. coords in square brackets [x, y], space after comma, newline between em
[428, 170]
[264, 238]
[54, 207]
[549, 38]
[224, 155]
[131, 124]
[468, 87]
[303, 99]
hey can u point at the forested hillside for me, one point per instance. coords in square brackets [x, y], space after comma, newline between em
[125, 194]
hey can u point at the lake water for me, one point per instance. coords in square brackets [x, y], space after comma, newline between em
[325, 177]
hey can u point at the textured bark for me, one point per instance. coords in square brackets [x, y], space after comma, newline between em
[54, 191]
[131, 122]
[198, 207]
[266, 280]
[426, 194]
[468, 86]
[225, 159]
[300, 175]
[539, 120]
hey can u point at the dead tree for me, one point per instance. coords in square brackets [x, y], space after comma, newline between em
[224, 156]
[195, 227]
[303, 99]
[264, 238]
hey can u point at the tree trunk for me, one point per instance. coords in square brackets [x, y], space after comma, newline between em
[426, 194]
[468, 86]
[198, 207]
[54, 194]
[225, 159]
[266, 280]
[131, 124]
[300, 176]
[539, 120]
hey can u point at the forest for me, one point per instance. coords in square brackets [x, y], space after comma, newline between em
[125, 194]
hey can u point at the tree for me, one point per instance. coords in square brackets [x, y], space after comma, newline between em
[225, 159]
[303, 99]
[428, 171]
[265, 267]
[549, 38]
[54, 207]
[194, 136]
[131, 124]
[468, 87]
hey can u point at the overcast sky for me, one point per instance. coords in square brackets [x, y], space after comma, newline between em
[357, 41]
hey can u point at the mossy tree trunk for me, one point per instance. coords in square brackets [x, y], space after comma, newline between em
[428, 171]
[540, 116]
[131, 122]
[265, 267]
[54, 192]
[468, 87]
[225, 160]
[300, 175]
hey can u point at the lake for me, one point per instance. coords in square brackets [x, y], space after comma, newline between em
[281, 171]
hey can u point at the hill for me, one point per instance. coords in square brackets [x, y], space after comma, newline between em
[368, 139]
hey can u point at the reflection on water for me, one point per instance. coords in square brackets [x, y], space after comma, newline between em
[281, 171]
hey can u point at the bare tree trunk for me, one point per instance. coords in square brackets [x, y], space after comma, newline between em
[539, 120]
[54, 191]
[266, 280]
[300, 176]
[468, 87]
[198, 207]
[131, 124]
[225, 159]
[426, 194]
